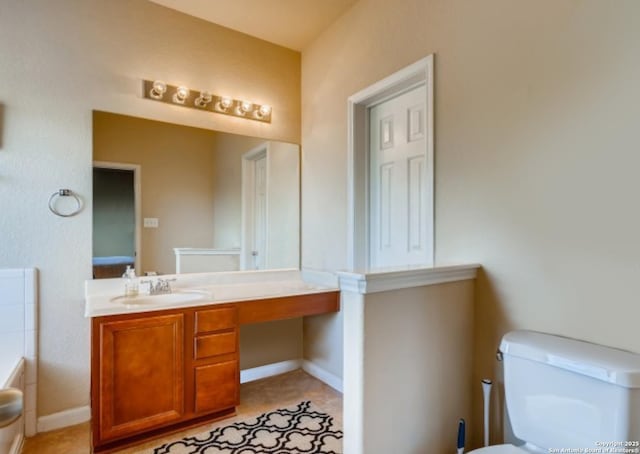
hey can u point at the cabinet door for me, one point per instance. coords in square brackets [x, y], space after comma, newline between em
[141, 374]
[217, 386]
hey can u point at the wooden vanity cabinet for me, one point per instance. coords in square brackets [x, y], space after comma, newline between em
[160, 370]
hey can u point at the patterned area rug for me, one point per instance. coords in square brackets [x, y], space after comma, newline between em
[294, 430]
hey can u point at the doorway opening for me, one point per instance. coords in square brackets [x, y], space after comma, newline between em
[391, 172]
[116, 219]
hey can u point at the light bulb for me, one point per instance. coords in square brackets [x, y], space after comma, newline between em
[264, 110]
[181, 95]
[243, 107]
[202, 100]
[158, 89]
[225, 103]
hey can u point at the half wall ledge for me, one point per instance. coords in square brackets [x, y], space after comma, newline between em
[385, 279]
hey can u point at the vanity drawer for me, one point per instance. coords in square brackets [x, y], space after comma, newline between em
[214, 344]
[216, 319]
[217, 387]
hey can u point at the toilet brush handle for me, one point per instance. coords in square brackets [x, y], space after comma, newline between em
[486, 393]
[461, 434]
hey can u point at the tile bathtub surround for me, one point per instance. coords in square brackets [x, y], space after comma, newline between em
[19, 333]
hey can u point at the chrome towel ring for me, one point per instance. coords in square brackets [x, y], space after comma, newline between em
[65, 193]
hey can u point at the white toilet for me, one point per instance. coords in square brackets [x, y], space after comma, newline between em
[564, 393]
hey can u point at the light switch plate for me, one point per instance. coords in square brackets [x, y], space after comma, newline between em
[151, 223]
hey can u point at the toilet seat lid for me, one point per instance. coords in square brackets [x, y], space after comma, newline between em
[500, 449]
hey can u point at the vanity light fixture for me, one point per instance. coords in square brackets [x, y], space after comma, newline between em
[204, 100]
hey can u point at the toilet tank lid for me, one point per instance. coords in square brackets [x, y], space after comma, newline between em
[615, 366]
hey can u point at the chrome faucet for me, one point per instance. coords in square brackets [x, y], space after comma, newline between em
[160, 287]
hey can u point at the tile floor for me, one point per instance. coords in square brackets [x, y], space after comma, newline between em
[255, 398]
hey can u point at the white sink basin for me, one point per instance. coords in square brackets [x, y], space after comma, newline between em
[176, 297]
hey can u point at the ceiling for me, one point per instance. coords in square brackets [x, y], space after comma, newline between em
[289, 23]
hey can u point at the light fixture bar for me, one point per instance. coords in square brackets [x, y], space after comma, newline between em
[157, 90]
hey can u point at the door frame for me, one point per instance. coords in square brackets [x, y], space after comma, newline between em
[247, 218]
[137, 201]
[414, 75]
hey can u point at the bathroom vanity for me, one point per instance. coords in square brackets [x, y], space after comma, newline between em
[162, 364]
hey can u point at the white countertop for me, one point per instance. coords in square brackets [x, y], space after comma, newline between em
[105, 296]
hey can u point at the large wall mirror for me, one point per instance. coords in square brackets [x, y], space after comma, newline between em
[172, 199]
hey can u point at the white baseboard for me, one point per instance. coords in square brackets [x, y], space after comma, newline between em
[269, 370]
[65, 418]
[323, 375]
[79, 415]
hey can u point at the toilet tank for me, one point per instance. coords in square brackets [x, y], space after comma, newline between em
[565, 393]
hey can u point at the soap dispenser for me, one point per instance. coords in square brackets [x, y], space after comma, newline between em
[131, 282]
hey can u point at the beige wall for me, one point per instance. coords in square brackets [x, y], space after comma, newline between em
[417, 369]
[177, 179]
[415, 356]
[536, 154]
[60, 62]
[272, 342]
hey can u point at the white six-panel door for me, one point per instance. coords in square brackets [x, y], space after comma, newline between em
[398, 201]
